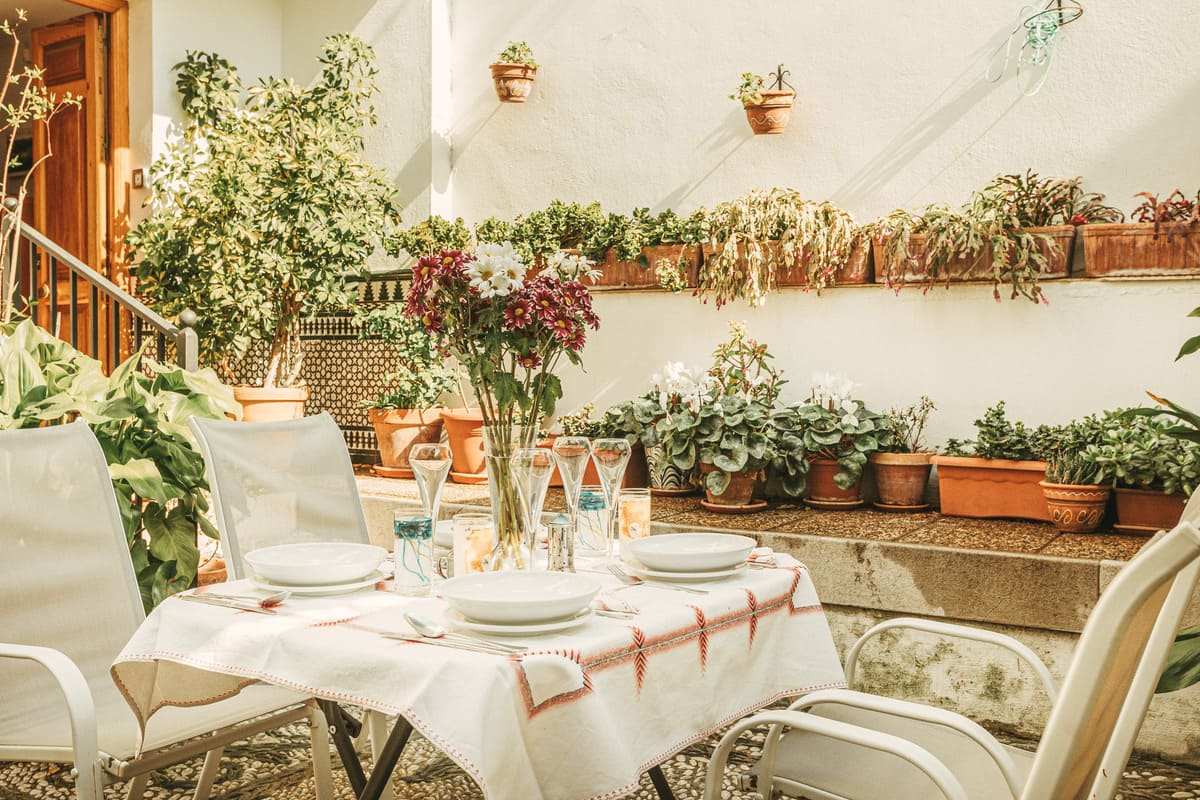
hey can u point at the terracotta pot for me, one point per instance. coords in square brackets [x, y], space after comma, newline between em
[856, 271]
[772, 114]
[639, 273]
[271, 405]
[901, 479]
[397, 430]
[1147, 510]
[464, 431]
[1074, 508]
[1132, 249]
[211, 572]
[513, 82]
[991, 488]
[980, 270]
[738, 494]
[823, 492]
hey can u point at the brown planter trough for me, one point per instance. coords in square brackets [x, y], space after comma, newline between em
[1147, 511]
[1127, 250]
[991, 488]
[1059, 260]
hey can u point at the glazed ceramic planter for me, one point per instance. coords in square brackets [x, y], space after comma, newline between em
[901, 479]
[397, 430]
[513, 82]
[772, 114]
[1074, 508]
[666, 479]
[991, 488]
[274, 404]
[823, 491]
[464, 431]
[1126, 250]
[1147, 510]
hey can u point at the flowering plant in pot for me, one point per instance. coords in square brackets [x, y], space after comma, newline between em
[1075, 496]
[513, 73]
[997, 474]
[677, 392]
[767, 109]
[902, 465]
[407, 413]
[508, 332]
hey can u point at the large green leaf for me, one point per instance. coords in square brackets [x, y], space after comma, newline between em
[143, 477]
[717, 481]
[172, 537]
[1183, 662]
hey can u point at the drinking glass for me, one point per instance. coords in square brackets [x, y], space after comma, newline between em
[611, 456]
[414, 572]
[473, 541]
[412, 549]
[633, 516]
[531, 470]
[571, 454]
[592, 535]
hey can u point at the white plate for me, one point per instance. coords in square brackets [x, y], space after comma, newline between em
[519, 598]
[315, 563]
[462, 623]
[322, 589]
[690, 552]
[684, 577]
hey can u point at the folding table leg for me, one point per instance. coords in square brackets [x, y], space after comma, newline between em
[345, 745]
[385, 763]
[208, 773]
[660, 783]
[376, 724]
[137, 786]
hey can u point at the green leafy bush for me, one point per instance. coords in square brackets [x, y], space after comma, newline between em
[998, 437]
[422, 374]
[1139, 451]
[430, 236]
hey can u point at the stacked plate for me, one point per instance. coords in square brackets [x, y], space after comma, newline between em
[317, 568]
[690, 556]
[519, 603]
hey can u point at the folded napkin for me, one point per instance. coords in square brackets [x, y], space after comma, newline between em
[764, 556]
[549, 675]
[610, 602]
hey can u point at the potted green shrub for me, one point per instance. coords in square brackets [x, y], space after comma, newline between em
[997, 474]
[1151, 469]
[430, 235]
[768, 110]
[409, 413]
[1163, 239]
[673, 390]
[513, 73]
[1075, 497]
[903, 464]
[260, 209]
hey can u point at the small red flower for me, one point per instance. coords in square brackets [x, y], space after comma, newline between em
[577, 339]
[563, 327]
[545, 304]
[1078, 219]
[432, 321]
[530, 360]
[518, 314]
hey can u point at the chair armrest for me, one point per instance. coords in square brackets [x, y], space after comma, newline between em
[81, 709]
[958, 632]
[919, 713]
[920, 758]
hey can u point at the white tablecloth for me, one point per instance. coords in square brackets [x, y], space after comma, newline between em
[582, 715]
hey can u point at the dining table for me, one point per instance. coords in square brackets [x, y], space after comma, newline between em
[574, 714]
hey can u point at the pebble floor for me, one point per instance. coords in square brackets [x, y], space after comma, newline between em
[275, 766]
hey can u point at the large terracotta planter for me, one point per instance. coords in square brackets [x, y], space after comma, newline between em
[639, 273]
[856, 271]
[1147, 510]
[738, 496]
[901, 479]
[772, 114]
[824, 493]
[271, 405]
[1121, 250]
[1074, 508]
[397, 430]
[513, 82]
[980, 269]
[464, 431]
[991, 488]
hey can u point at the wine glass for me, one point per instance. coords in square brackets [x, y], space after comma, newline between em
[571, 453]
[531, 469]
[430, 465]
[611, 456]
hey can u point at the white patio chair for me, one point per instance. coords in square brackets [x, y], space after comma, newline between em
[71, 602]
[280, 482]
[847, 745]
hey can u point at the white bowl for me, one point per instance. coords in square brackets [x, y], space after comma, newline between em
[690, 552]
[519, 598]
[315, 563]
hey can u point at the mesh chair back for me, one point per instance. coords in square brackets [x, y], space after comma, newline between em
[279, 482]
[66, 579]
[1106, 662]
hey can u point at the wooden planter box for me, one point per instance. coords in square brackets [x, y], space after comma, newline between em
[635, 274]
[1127, 250]
[992, 488]
[980, 270]
[855, 272]
[1147, 511]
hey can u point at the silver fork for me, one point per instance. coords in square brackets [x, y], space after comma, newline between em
[631, 580]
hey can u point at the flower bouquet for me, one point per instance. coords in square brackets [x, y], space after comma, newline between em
[508, 330]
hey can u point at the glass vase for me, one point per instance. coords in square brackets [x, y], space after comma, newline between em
[500, 442]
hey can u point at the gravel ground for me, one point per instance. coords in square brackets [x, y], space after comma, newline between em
[275, 766]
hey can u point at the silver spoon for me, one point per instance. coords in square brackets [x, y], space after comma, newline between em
[431, 630]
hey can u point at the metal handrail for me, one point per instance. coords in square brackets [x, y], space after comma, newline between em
[137, 313]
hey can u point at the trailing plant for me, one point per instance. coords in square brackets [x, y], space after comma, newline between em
[1065, 449]
[516, 53]
[1036, 202]
[25, 102]
[730, 434]
[1178, 212]
[749, 91]
[422, 374]
[430, 236]
[742, 366]
[263, 205]
[906, 427]
[761, 234]
[998, 437]
[139, 415]
[672, 273]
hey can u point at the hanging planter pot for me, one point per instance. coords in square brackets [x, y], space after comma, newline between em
[768, 110]
[513, 71]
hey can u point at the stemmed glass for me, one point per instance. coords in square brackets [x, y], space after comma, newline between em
[571, 453]
[611, 456]
[430, 465]
[531, 470]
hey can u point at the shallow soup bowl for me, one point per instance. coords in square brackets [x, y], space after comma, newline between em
[519, 598]
[691, 552]
[315, 563]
